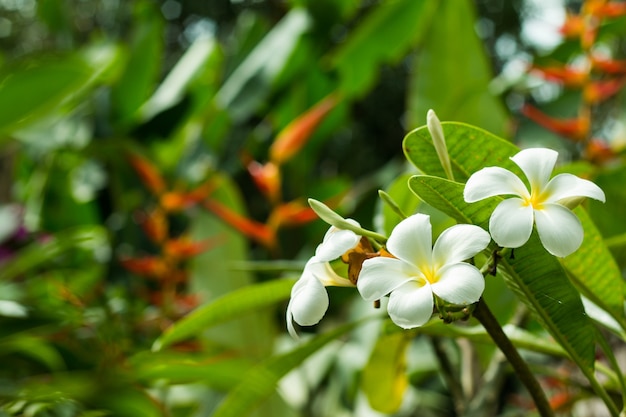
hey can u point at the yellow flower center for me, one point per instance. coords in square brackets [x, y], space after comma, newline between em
[535, 200]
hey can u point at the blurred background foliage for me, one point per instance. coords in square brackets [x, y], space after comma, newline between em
[156, 156]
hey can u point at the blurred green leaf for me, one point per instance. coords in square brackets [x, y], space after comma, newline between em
[406, 201]
[90, 238]
[384, 380]
[230, 306]
[32, 88]
[222, 371]
[251, 81]
[451, 72]
[143, 64]
[260, 382]
[609, 216]
[173, 87]
[532, 273]
[33, 347]
[213, 274]
[384, 36]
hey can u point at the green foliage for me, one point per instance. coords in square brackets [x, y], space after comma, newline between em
[149, 238]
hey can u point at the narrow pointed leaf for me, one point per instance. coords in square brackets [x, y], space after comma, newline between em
[227, 307]
[535, 276]
[260, 382]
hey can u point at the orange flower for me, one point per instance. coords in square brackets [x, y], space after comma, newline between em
[293, 137]
[610, 9]
[266, 178]
[598, 152]
[148, 173]
[609, 66]
[250, 228]
[150, 266]
[154, 224]
[576, 128]
[183, 247]
[564, 75]
[173, 201]
[573, 27]
[293, 213]
[598, 91]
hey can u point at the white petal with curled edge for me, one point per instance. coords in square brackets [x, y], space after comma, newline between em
[492, 181]
[411, 305]
[511, 223]
[459, 283]
[411, 240]
[559, 229]
[568, 185]
[459, 243]
[537, 164]
[309, 301]
[336, 242]
[380, 276]
[326, 274]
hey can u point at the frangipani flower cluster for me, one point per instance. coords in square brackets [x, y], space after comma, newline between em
[413, 272]
[545, 204]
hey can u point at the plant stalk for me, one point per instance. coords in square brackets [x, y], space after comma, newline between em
[491, 325]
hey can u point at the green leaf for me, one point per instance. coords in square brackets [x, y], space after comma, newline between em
[451, 72]
[260, 382]
[252, 80]
[470, 148]
[595, 272]
[384, 36]
[173, 87]
[90, 238]
[222, 372]
[31, 89]
[143, 66]
[230, 306]
[384, 380]
[534, 275]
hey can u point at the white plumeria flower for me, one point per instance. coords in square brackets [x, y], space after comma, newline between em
[511, 223]
[420, 270]
[309, 299]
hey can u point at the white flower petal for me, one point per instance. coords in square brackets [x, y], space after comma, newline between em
[511, 223]
[459, 243]
[459, 283]
[337, 242]
[537, 164]
[326, 274]
[559, 229]
[492, 181]
[411, 240]
[568, 185]
[411, 305]
[380, 276]
[309, 301]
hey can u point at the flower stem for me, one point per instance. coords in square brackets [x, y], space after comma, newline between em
[491, 325]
